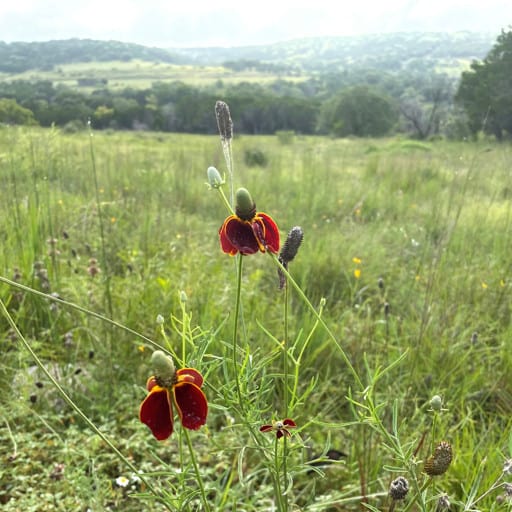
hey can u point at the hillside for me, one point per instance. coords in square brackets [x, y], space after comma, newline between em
[396, 51]
[18, 57]
[391, 52]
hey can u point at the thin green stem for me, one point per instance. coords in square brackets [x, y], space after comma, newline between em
[101, 225]
[310, 306]
[184, 331]
[225, 201]
[86, 311]
[206, 505]
[279, 493]
[285, 393]
[72, 404]
[235, 331]
[285, 351]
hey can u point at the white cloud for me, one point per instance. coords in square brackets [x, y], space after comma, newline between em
[236, 22]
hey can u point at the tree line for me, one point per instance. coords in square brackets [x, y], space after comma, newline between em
[360, 102]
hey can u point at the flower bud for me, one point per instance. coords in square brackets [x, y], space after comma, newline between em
[214, 178]
[159, 320]
[436, 402]
[245, 207]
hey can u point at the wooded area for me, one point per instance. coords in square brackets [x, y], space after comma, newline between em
[399, 90]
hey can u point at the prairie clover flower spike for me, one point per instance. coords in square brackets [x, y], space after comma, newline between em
[280, 427]
[439, 462]
[167, 387]
[289, 251]
[398, 488]
[224, 121]
[248, 231]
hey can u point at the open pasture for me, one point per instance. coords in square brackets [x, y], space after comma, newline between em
[406, 255]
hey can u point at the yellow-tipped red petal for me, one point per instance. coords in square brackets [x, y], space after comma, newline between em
[156, 412]
[191, 403]
[270, 232]
[190, 375]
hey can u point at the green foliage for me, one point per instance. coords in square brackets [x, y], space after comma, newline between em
[255, 157]
[272, 88]
[12, 113]
[426, 227]
[360, 111]
[18, 56]
[484, 91]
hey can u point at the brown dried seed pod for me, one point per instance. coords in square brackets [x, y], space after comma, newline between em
[439, 462]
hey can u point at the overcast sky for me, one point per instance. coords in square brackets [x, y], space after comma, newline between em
[182, 23]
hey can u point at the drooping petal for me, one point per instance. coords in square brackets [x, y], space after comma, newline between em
[281, 432]
[270, 232]
[151, 383]
[156, 412]
[266, 428]
[191, 403]
[190, 375]
[289, 423]
[225, 243]
[236, 235]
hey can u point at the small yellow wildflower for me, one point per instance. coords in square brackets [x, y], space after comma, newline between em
[357, 260]
[357, 273]
[484, 285]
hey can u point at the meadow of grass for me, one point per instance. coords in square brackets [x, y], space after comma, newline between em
[405, 260]
[142, 74]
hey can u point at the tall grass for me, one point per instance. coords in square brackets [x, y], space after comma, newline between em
[405, 257]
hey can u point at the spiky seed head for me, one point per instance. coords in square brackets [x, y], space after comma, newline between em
[291, 245]
[398, 488]
[289, 251]
[224, 121]
[438, 463]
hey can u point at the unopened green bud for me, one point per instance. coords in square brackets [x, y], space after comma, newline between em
[245, 207]
[163, 366]
[436, 402]
[214, 178]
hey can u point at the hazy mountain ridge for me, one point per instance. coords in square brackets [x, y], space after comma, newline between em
[373, 50]
[381, 51]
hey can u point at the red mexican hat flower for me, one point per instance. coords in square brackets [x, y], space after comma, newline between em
[248, 231]
[167, 387]
[280, 427]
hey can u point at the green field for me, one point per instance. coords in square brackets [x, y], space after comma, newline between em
[141, 74]
[406, 270]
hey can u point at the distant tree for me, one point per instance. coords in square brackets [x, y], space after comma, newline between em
[360, 111]
[424, 110]
[102, 116]
[485, 92]
[12, 113]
